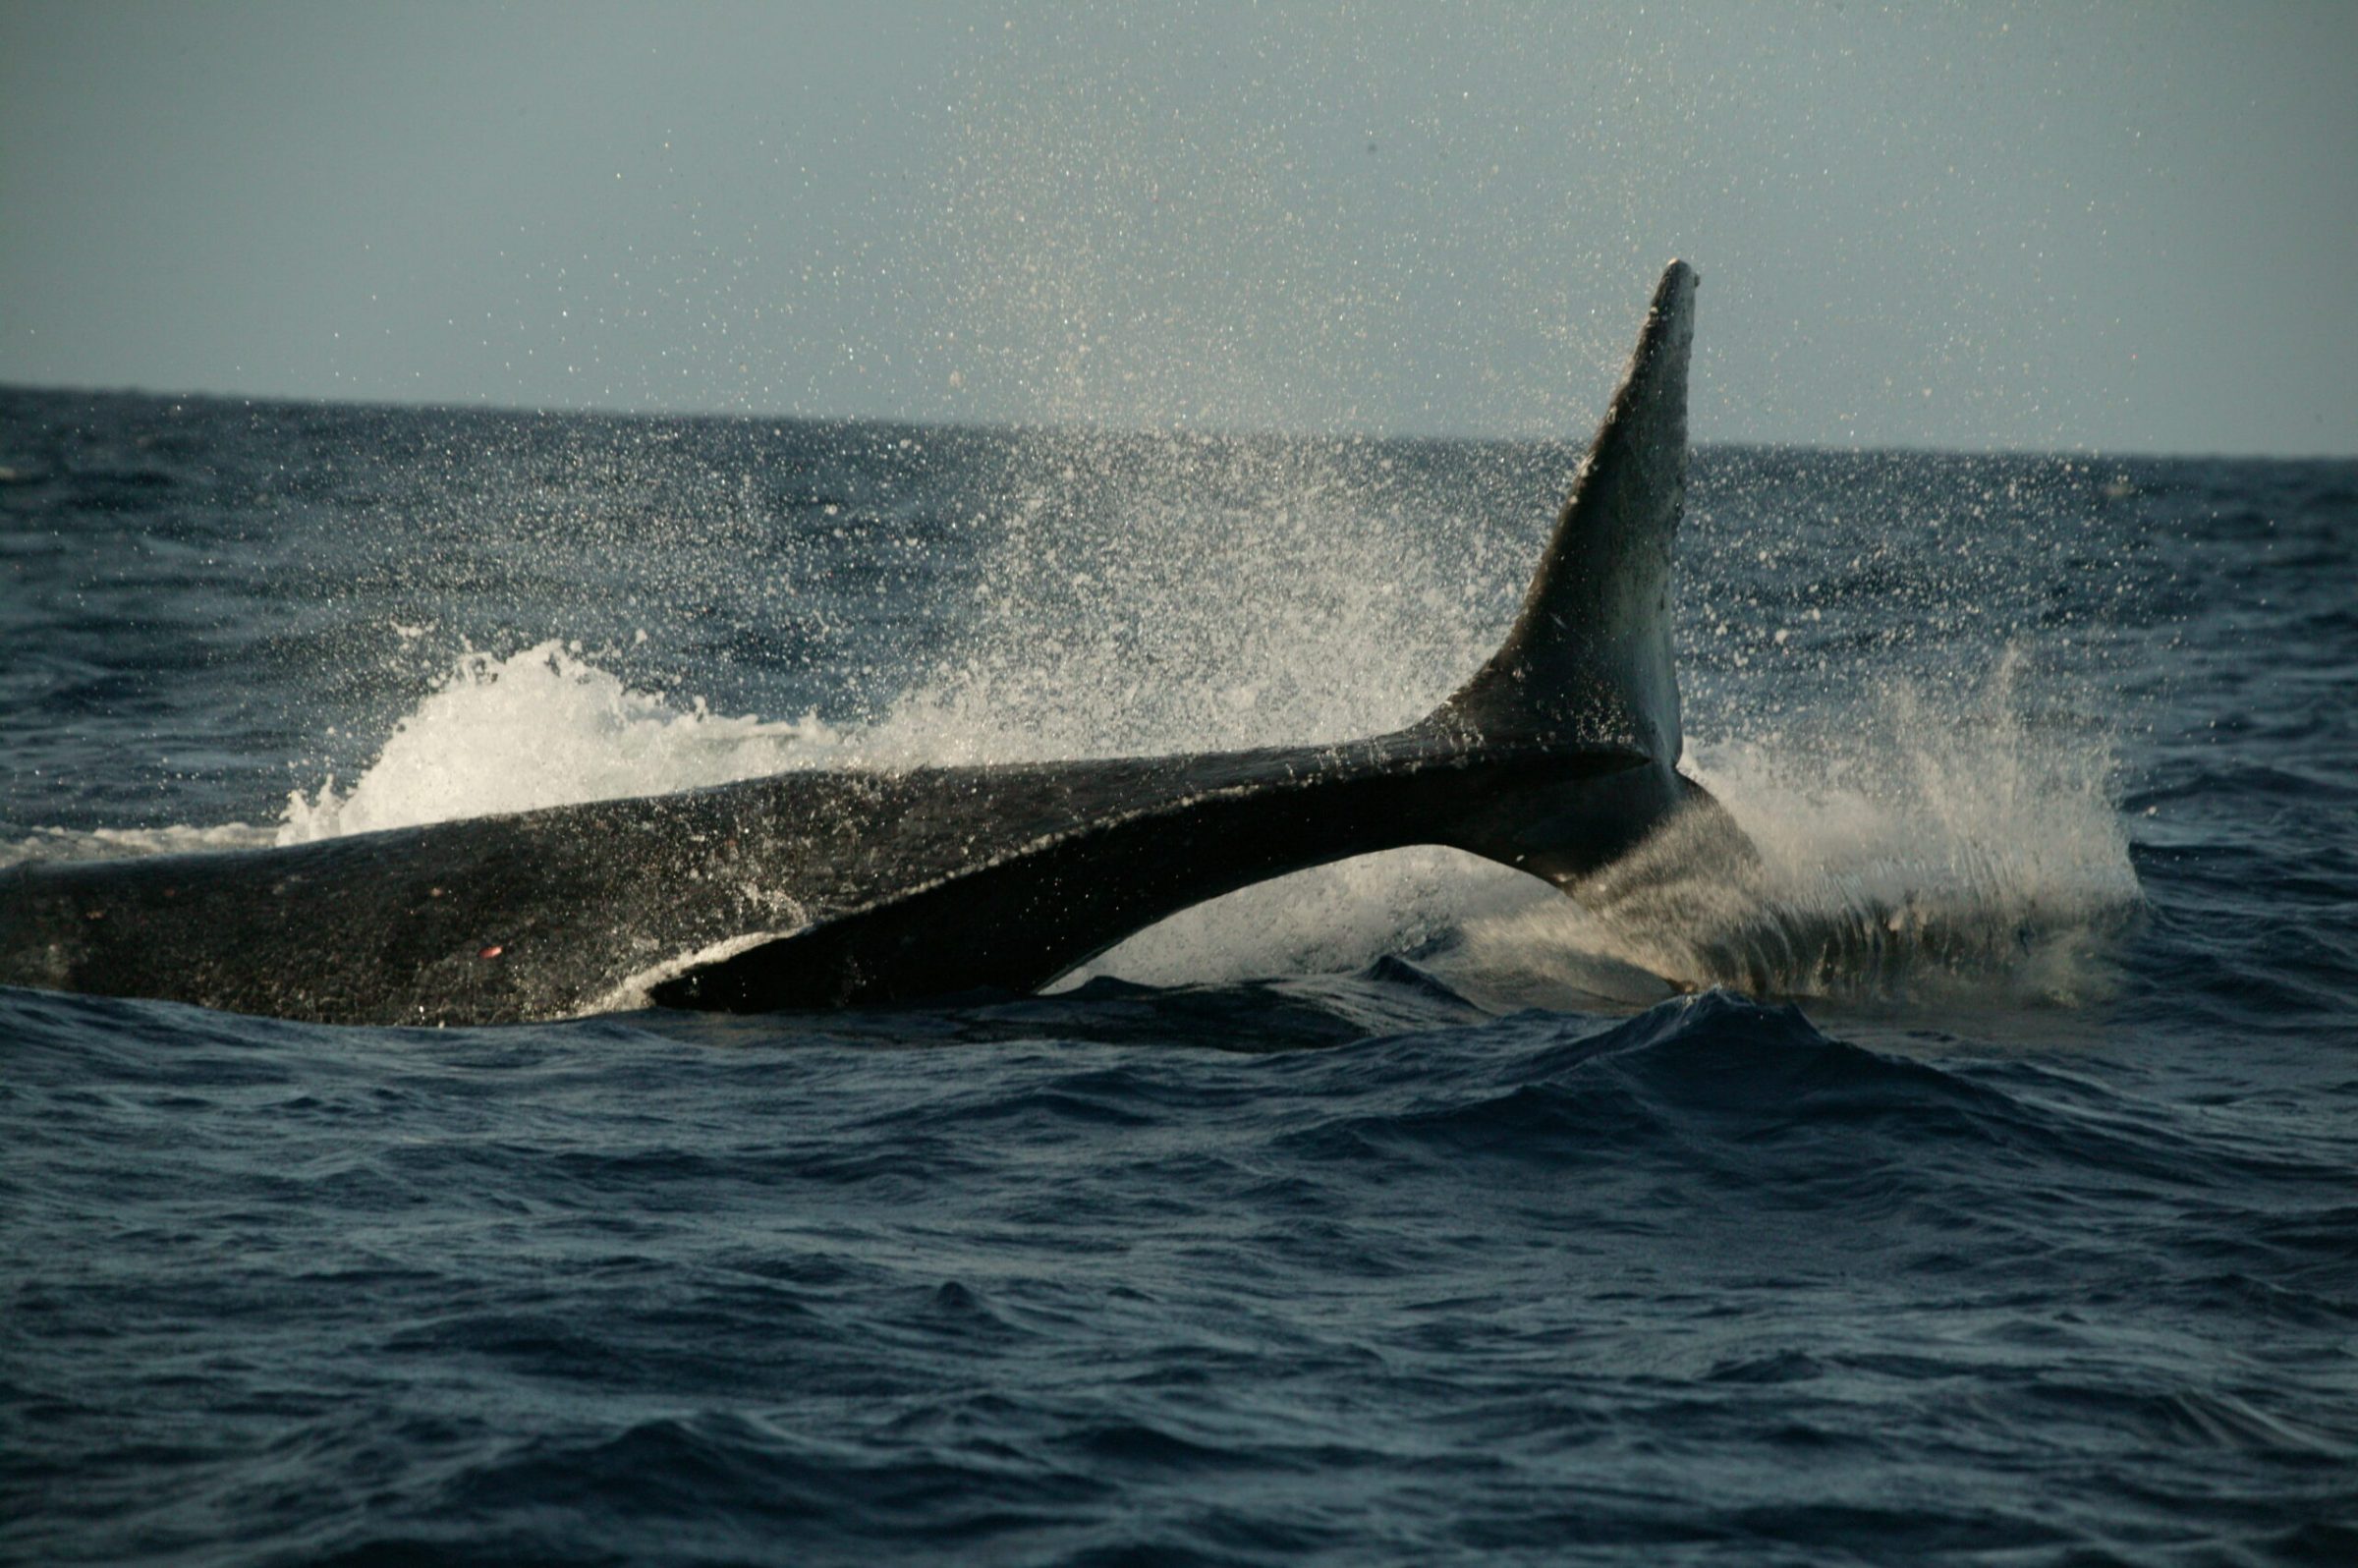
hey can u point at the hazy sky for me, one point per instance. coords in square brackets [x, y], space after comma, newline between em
[2119, 227]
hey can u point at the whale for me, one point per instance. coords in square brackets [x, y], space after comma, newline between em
[832, 888]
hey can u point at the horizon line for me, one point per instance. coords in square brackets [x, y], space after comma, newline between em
[1207, 432]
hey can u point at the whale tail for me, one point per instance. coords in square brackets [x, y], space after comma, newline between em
[1588, 657]
[1587, 660]
[815, 887]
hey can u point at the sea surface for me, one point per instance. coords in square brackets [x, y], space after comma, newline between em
[1974, 1182]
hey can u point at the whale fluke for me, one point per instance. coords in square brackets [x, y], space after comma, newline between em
[1588, 656]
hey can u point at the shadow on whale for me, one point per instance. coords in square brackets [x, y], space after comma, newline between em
[814, 889]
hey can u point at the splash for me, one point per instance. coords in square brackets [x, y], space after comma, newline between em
[1913, 845]
[1920, 856]
[544, 727]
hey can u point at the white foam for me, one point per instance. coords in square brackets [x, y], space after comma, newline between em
[113, 843]
[544, 727]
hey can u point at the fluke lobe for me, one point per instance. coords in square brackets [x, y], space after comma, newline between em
[821, 889]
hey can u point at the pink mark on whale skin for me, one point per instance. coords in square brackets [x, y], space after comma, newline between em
[493, 951]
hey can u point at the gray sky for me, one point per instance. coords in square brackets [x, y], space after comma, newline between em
[2111, 227]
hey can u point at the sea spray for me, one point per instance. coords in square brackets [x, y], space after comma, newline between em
[1138, 596]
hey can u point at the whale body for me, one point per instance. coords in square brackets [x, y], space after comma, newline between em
[828, 888]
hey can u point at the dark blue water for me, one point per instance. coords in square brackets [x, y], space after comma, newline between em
[1397, 1212]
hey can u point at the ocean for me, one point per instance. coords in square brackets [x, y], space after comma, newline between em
[1986, 1191]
